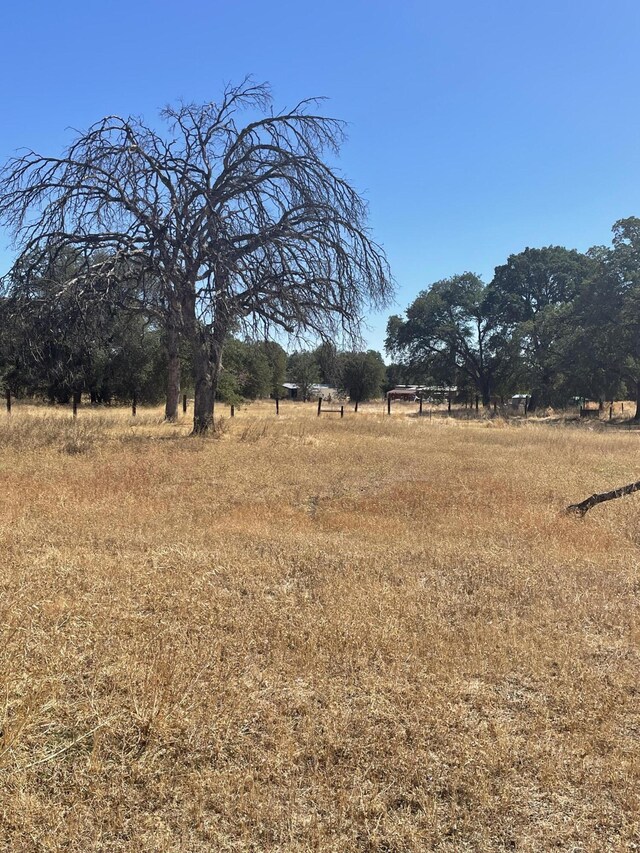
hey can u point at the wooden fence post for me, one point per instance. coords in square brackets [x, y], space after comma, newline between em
[277, 406]
[8, 396]
[388, 405]
[233, 411]
[134, 405]
[611, 412]
[341, 411]
[319, 406]
[184, 404]
[420, 405]
[356, 408]
[449, 404]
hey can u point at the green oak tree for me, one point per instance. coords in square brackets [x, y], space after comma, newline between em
[449, 331]
[528, 300]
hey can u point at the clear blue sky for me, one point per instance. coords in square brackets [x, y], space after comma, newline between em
[476, 127]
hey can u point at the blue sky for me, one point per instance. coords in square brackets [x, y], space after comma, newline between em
[476, 127]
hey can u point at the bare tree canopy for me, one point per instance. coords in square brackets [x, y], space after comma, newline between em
[227, 223]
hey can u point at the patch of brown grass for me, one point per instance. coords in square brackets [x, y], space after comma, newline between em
[368, 634]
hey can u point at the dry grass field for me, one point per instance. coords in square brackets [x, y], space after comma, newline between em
[369, 634]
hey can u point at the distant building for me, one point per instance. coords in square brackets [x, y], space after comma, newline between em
[437, 393]
[432, 393]
[292, 391]
[327, 392]
[403, 392]
[518, 400]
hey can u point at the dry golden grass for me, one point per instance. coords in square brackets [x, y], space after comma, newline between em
[369, 634]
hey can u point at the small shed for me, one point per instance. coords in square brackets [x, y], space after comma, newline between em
[403, 392]
[291, 390]
[518, 400]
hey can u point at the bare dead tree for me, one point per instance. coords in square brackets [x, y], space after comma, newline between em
[229, 224]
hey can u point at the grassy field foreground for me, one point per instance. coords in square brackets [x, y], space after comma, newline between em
[369, 634]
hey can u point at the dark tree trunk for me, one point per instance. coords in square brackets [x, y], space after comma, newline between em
[207, 363]
[485, 390]
[173, 374]
[203, 372]
[636, 417]
[541, 395]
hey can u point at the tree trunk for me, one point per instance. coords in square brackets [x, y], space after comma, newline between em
[207, 363]
[204, 384]
[173, 374]
[636, 417]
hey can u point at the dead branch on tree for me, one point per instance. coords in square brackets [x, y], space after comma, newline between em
[583, 507]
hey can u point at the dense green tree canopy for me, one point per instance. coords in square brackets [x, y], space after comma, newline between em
[361, 374]
[303, 369]
[53, 346]
[449, 330]
[529, 300]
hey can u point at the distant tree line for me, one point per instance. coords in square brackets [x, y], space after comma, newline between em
[150, 264]
[57, 345]
[553, 323]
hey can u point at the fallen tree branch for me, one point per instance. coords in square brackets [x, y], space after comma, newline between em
[584, 507]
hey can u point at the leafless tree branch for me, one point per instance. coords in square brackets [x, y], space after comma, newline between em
[221, 222]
